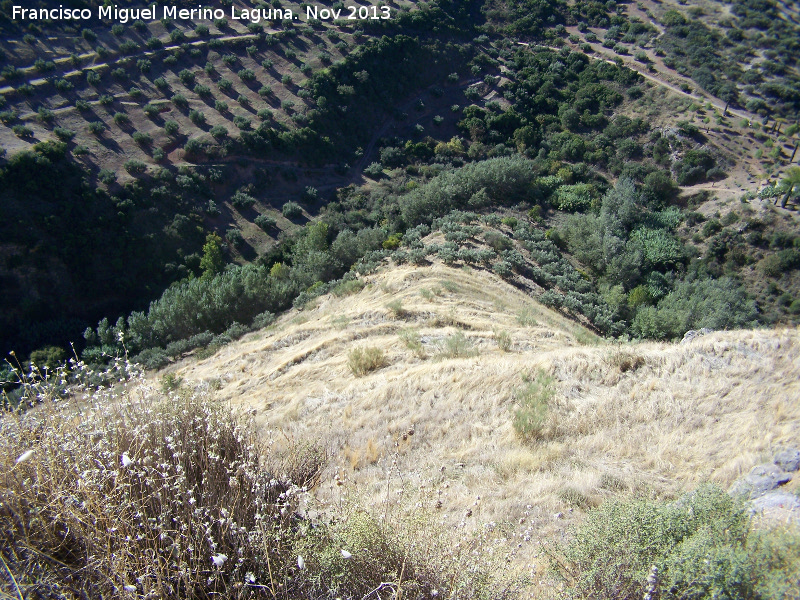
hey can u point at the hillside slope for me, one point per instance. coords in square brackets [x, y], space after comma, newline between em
[436, 423]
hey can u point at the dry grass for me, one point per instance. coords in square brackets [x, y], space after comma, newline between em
[135, 493]
[639, 419]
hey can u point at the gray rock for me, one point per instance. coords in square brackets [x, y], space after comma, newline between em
[695, 333]
[778, 506]
[760, 480]
[788, 460]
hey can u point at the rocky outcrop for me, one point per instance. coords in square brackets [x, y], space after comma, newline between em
[761, 486]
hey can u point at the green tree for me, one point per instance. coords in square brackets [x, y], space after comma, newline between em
[212, 261]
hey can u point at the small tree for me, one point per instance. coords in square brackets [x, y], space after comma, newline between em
[212, 261]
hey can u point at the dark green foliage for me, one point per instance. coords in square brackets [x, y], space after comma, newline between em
[141, 138]
[694, 167]
[186, 77]
[96, 127]
[265, 222]
[504, 180]
[209, 304]
[135, 167]
[107, 176]
[218, 132]
[714, 303]
[151, 110]
[242, 201]
[64, 134]
[292, 210]
[241, 122]
[63, 85]
[196, 117]
[180, 101]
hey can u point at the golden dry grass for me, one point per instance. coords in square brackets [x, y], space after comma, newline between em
[651, 419]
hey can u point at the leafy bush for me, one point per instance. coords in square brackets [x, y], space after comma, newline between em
[197, 117]
[180, 101]
[64, 134]
[365, 360]
[96, 127]
[693, 304]
[218, 132]
[265, 222]
[151, 110]
[700, 547]
[531, 415]
[505, 181]
[572, 198]
[348, 288]
[135, 167]
[242, 201]
[455, 346]
[292, 210]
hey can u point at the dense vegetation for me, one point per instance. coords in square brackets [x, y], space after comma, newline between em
[552, 141]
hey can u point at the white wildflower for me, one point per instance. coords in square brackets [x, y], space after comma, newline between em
[127, 461]
[301, 564]
[24, 456]
[129, 588]
[346, 554]
[219, 559]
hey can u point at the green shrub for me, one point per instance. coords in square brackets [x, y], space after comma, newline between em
[396, 308]
[234, 236]
[265, 222]
[63, 86]
[292, 210]
[503, 339]
[218, 132]
[171, 127]
[374, 170]
[455, 346]
[702, 547]
[135, 167]
[64, 134]
[348, 288]
[96, 127]
[180, 101]
[411, 340]
[49, 357]
[572, 198]
[531, 415]
[107, 176]
[242, 123]
[197, 117]
[141, 138]
[242, 201]
[186, 77]
[693, 304]
[365, 360]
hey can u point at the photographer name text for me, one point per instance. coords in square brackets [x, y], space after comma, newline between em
[201, 13]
